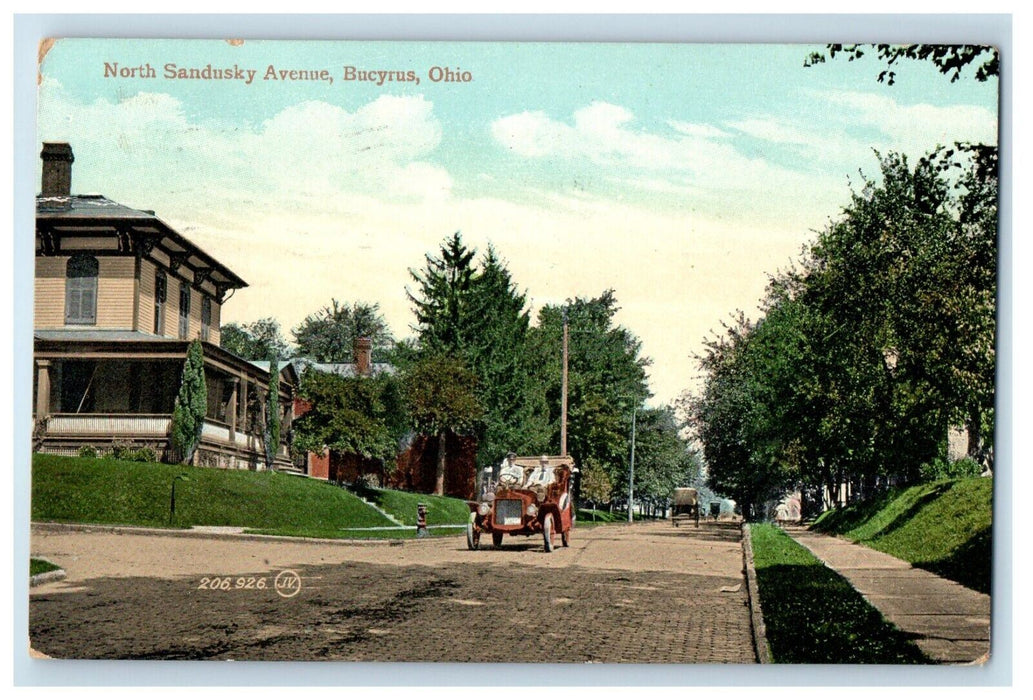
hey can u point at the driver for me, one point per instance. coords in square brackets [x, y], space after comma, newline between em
[509, 473]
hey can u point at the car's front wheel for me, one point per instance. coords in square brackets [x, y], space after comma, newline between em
[547, 532]
[473, 534]
[496, 539]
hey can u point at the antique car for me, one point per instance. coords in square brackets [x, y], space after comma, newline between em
[686, 506]
[530, 496]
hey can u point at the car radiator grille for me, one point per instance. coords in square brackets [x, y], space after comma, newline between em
[508, 512]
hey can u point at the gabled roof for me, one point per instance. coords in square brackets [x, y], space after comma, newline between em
[342, 369]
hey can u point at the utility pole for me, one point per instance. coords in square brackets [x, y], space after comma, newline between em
[563, 404]
[631, 474]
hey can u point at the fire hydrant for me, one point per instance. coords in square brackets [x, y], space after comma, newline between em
[421, 520]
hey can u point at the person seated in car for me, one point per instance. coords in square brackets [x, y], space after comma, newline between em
[540, 477]
[509, 473]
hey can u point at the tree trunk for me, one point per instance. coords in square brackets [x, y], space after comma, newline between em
[439, 477]
[975, 436]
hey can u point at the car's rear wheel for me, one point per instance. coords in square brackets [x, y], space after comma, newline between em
[547, 531]
[496, 539]
[473, 534]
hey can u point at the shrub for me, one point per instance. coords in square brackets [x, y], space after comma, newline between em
[88, 451]
[144, 454]
[941, 468]
[122, 449]
[368, 481]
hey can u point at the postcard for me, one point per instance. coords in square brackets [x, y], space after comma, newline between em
[621, 353]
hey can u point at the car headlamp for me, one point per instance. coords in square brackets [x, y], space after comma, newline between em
[483, 508]
[532, 510]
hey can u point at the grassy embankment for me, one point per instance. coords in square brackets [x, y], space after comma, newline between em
[109, 491]
[813, 615]
[41, 566]
[943, 527]
[441, 510]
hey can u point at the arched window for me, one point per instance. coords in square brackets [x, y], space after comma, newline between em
[81, 290]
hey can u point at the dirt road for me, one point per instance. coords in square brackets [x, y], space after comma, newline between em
[641, 594]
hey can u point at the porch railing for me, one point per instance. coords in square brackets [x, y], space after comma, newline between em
[109, 424]
[144, 426]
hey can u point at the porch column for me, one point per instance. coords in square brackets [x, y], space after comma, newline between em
[243, 405]
[42, 388]
[232, 408]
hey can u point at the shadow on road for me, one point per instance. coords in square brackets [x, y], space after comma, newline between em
[708, 532]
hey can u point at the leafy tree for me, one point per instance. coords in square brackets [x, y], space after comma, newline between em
[663, 460]
[351, 415]
[259, 340]
[864, 356]
[728, 419]
[607, 380]
[271, 429]
[191, 404]
[595, 486]
[948, 59]
[329, 334]
[441, 396]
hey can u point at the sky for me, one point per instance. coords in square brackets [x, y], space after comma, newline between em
[679, 175]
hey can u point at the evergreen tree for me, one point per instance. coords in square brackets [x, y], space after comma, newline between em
[191, 404]
[516, 416]
[442, 302]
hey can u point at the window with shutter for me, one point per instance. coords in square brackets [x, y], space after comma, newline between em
[184, 311]
[161, 291]
[81, 290]
[206, 317]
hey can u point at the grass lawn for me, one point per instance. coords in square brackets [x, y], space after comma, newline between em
[813, 615]
[441, 510]
[109, 491]
[39, 566]
[943, 527]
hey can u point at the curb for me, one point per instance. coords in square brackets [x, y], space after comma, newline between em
[247, 537]
[760, 639]
[47, 577]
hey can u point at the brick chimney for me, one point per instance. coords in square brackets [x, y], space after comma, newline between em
[57, 170]
[363, 357]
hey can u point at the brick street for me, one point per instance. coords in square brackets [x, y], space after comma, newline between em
[649, 593]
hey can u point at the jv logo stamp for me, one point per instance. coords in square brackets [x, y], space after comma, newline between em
[287, 583]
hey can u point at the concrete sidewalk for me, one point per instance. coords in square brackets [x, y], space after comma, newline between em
[949, 622]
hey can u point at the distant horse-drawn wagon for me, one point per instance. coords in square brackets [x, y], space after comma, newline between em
[686, 506]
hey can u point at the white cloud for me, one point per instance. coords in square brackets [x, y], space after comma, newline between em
[310, 149]
[707, 131]
[773, 130]
[916, 129]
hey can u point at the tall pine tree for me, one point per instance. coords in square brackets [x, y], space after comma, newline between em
[516, 415]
